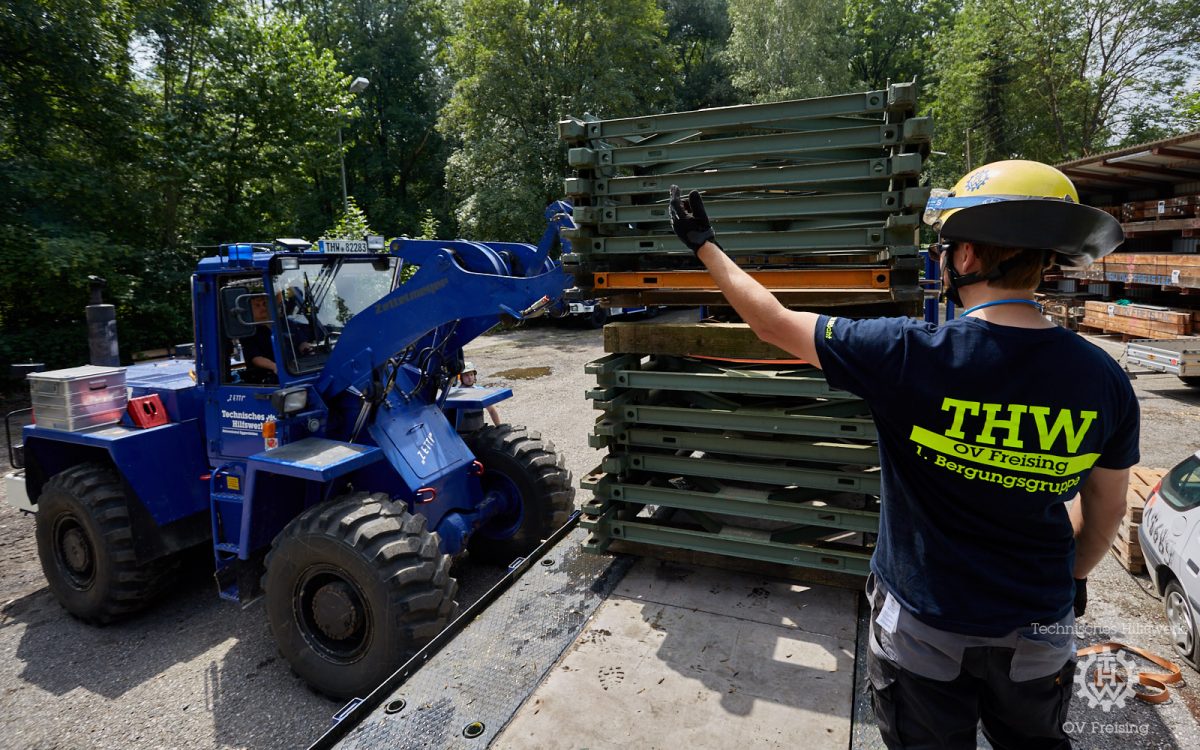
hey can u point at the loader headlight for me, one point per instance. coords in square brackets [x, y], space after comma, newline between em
[289, 401]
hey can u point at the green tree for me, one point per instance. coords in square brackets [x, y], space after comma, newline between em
[788, 49]
[892, 40]
[71, 199]
[697, 31]
[395, 155]
[1053, 80]
[245, 145]
[521, 66]
[970, 106]
[351, 223]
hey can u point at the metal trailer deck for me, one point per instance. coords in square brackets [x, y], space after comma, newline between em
[576, 649]
[1175, 356]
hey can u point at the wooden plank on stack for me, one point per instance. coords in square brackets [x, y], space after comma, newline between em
[1182, 206]
[1126, 547]
[1143, 321]
[1155, 269]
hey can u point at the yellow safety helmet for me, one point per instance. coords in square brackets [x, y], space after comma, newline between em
[1023, 204]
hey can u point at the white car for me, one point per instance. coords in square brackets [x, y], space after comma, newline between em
[1170, 539]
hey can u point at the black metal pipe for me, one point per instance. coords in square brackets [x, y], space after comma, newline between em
[102, 327]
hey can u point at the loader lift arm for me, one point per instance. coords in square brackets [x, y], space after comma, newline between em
[460, 290]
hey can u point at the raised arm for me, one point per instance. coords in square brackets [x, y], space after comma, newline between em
[789, 330]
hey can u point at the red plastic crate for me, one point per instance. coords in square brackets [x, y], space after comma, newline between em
[147, 411]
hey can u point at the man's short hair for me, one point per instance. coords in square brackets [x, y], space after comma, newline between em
[1025, 269]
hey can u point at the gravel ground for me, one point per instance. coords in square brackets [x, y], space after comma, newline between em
[196, 672]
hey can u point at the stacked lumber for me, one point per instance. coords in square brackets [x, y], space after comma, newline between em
[1182, 206]
[1125, 546]
[1156, 269]
[1142, 321]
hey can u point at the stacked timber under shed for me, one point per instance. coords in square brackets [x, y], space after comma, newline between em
[716, 442]
[1150, 287]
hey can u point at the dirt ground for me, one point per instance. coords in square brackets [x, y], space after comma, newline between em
[196, 672]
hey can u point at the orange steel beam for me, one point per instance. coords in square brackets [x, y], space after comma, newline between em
[811, 278]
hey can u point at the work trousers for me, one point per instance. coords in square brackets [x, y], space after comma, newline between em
[916, 712]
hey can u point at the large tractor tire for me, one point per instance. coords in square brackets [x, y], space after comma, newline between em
[533, 483]
[355, 587]
[85, 542]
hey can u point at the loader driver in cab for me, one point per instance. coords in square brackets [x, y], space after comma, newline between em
[258, 349]
[1005, 444]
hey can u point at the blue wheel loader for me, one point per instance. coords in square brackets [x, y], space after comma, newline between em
[316, 441]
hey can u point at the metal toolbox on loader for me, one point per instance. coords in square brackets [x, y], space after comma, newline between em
[78, 398]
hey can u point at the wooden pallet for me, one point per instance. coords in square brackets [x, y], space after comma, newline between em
[1126, 547]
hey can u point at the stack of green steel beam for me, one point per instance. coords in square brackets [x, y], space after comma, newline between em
[812, 185]
[764, 462]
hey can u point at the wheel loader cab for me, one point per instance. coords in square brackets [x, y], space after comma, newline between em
[293, 316]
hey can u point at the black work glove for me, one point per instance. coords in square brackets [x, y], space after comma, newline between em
[689, 220]
[1080, 596]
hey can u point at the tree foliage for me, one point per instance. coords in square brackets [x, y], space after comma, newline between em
[893, 40]
[697, 31]
[1053, 80]
[395, 155]
[132, 132]
[520, 67]
[788, 49]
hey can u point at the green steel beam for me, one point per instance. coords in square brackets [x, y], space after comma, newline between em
[872, 174]
[753, 384]
[724, 118]
[831, 453]
[777, 422]
[602, 395]
[792, 207]
[899, 300]
[751, 243]
[608, 528]
[779, 145]
[817, 479]
[732, 502]
[611, 363]
[898, 98]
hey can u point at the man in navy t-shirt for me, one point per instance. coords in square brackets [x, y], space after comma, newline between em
[989, 425]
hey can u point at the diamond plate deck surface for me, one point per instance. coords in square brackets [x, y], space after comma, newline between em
[488, 670]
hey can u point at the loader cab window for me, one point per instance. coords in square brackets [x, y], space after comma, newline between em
[247, 325]
[318, 299]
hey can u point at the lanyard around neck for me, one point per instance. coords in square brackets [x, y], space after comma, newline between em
[970, 310]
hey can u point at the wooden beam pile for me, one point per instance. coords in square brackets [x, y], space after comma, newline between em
[1126, 547]
[1141, 321]
[1156, 269]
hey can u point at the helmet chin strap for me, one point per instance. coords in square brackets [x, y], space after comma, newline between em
[957, 281]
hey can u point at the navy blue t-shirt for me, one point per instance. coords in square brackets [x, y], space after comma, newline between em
[984, 432]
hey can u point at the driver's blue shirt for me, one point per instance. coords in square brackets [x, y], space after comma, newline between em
[985, 431]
